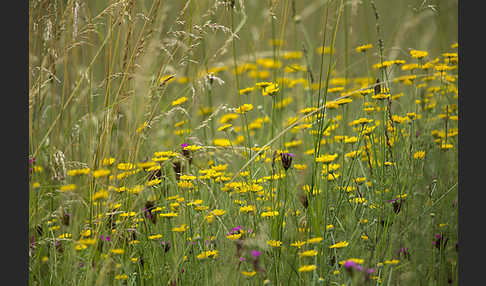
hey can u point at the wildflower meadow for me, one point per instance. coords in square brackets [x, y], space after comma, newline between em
[243, 142]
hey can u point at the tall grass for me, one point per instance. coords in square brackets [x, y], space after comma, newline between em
[247, 142]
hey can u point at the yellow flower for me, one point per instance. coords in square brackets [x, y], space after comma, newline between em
[206, 254]
[292, 55]
[323, 50]
[67, 188]
[327, 158]
[300, 166]
[234, 236]
[167, 79]
[246, 90]
[315, 240]
[228, 117]
[65, 235]
[218, 212]
[117, 251]
[125, 166]
[192, 148]
[155, 236]
[86, 232]
[142, 127]
[274, 243]
[80, 246]
[76, 172]
[307, 268]
[363, 48]
[269, 214]
[355, 260]
[224, 127]
[419, 155]
[221, 142]
[248, 274]
[101, 173]
[154, 182]
[179, 101]
[101, 194]
[121, 276]
[181, 228]
[272, 89]
[169, 215]
[340, 244]
[244, 108]
[308, 253]
[446, 146]
[249, 208]
[416, 54]
[298, 243]
[37, 169]
[185, 184]
[392, 262]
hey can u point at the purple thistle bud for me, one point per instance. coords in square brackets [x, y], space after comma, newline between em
[242, 259]
[405, 252]
[350, 264]
[439, 241]
[286, 160]
[370, 270]
[235, 230]
[255, 253]
[184, 145]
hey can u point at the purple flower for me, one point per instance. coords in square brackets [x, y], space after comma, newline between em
[255, 253]
[183, 145]
[106, 238]
[370, 270]
[286, 160]
[350, 264]
[439, 241]
[235, 230]
[242, 259]
[404, 251]
[396, 204]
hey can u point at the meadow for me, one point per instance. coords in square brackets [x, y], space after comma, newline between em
[231, 142]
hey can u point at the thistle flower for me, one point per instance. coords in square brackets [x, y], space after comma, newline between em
[439, 241]
[177, 166]
[404, 251]
[303, 200]
[397, 204]
[377, 86]
[255, 253]
[186, 152]
[286, 160]
[149, 206]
